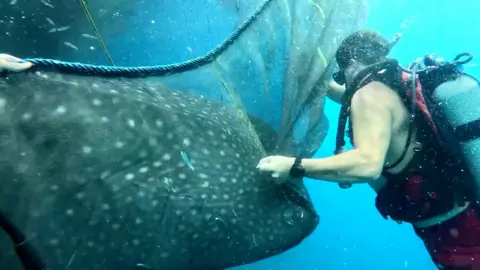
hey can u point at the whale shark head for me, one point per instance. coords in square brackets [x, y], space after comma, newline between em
[118, 174]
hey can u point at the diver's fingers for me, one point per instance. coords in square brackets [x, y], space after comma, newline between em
[10, 58]
[266, 168]
[264, 162]
[15, 66]
[12, 63]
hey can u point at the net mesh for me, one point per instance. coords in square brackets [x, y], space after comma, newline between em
[160, 172]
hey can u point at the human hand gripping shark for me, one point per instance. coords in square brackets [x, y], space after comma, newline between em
[12, 63]
[115, 173]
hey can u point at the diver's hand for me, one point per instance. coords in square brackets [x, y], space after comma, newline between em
[12, 63]
[335, 91]
[278, 166]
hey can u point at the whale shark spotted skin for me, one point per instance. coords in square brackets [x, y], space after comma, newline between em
[119, 174]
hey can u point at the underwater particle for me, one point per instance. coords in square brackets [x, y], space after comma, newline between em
[408, 22]
[86, 149]
[13, 2]
[190, 51]
[187, 160]
[153, 21]
[70, 45]
[454, 232]
[287, 216]
[69, 212]
[53, 242]
[92, 48]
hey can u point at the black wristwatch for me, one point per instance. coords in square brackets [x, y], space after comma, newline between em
[297, 171]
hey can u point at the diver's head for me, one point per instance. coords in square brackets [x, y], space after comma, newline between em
[359, 50]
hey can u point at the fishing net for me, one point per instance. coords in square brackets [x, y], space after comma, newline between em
[103, 170]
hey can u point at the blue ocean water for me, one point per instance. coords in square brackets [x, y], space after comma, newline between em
[351, 234]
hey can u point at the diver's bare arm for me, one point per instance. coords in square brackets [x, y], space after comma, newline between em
[335, 91]
[371, 123]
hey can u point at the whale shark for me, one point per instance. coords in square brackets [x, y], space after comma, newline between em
[112, 173]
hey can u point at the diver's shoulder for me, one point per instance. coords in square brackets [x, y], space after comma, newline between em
[375, 92]
[376, 86]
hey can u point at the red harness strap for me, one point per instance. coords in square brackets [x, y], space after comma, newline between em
[420, 101]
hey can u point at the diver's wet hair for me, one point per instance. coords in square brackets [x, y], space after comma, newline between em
[365, 46]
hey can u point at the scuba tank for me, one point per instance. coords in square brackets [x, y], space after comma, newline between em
[453, 100]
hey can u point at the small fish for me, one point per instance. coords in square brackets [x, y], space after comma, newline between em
[47, 3]
[89, 36]
[70, 45]
[71, 260]
[187, 160]
[59, 29]
[50, 21]
[235, 214]
[143, 266]
[63, 28]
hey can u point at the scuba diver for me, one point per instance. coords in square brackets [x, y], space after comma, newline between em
[400, 128]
